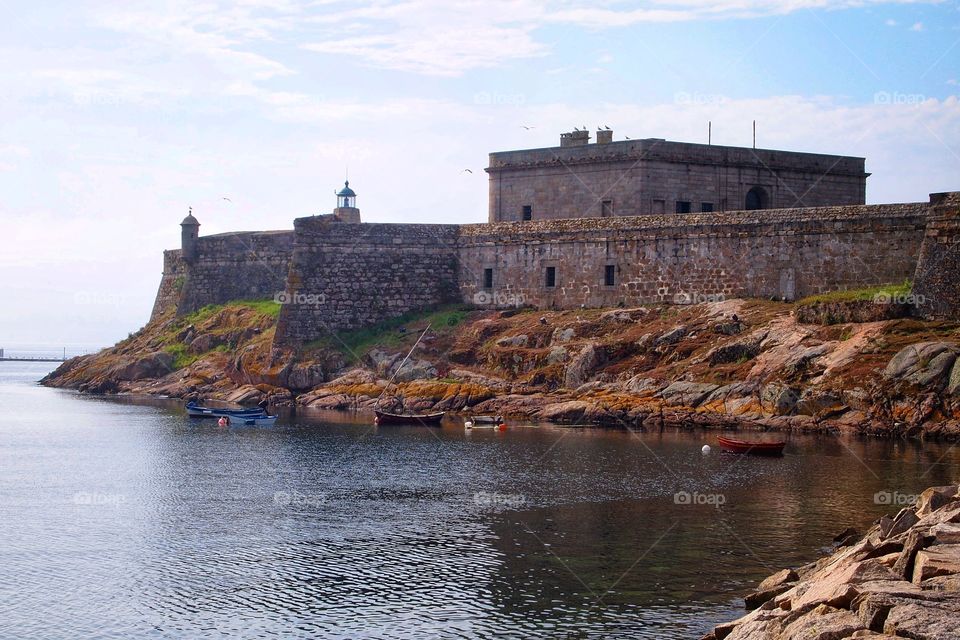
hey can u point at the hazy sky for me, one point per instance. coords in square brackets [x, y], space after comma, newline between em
[115, 117]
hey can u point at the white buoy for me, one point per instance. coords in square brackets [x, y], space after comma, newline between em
[468, 424]
[705, 450]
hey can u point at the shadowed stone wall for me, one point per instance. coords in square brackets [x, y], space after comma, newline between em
[171, 283]
[937, 280]
[346, 276]
[235, 266]
[785, 254]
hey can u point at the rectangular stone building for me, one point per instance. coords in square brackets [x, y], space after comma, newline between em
[654, 176]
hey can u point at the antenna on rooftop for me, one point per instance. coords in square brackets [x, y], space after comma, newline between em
[754, 134]
[709, 131]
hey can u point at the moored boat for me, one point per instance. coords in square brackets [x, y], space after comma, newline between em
[492, 420]
[757, 448]
[195, 410]
[384, 417]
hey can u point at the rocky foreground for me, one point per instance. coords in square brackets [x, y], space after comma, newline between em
[828, 367]
[900, 580]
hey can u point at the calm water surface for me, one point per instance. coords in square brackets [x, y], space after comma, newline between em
[122, 519]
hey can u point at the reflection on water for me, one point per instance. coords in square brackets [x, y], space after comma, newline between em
[121, 519]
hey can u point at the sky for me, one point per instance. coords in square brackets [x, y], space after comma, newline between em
[115, 117]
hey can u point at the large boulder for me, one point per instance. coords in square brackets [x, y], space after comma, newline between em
[303, 376]
[151, 366]
[923, 364]
[778, 399]
[687, 394]
[582, 366]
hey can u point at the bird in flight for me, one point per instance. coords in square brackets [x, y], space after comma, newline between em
[528, 127]
[466, 171]
[228, 199]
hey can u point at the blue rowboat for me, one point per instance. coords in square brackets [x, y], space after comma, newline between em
[195, 410]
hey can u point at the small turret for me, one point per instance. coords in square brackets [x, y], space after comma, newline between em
[189, 232]
[347, 210]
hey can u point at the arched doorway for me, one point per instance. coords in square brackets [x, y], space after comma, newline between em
[757, 198]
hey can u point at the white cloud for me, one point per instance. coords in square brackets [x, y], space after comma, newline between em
[917, 26]
[891, 22]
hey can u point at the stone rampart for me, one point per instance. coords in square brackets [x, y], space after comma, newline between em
[609, 261]
[347, 276]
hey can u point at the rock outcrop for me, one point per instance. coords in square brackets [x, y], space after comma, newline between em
[736, 363]
[899, 580]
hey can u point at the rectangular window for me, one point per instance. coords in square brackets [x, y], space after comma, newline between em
[706, 207]
[527, 212]
[683, 206]
[551, 277]
[610, 275]
[659, 206]
[606, 208]
[488, 278]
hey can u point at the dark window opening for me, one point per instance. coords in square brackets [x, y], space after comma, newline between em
[706, 207]
[551, 277]
[606, 208]
[757, 199]
[683, 206]
[527, 212]
[610, 275]
[488, 278]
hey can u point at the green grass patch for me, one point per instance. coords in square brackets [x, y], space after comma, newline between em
[355, 344]
[853, 295]
[181, 358]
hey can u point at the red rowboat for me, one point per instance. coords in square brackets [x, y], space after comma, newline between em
[754, 448]
[397, 418]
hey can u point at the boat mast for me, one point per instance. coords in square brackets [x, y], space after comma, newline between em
[390, 381]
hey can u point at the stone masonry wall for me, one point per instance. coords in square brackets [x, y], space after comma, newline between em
[937, 280]
[785, 253]
[171, 283]
[346, 276]
[236, 266]
[648, 177]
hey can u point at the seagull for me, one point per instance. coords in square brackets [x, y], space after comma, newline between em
[467, 171]
[607, 127]
[228, 199]
[627, 137]
[527, 127]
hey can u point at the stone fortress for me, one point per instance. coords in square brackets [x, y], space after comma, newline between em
[594, 225]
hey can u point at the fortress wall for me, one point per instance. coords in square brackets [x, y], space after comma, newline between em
[347, 276]
[236, 266]
[787, 253]
[171, 282]
[937, 280]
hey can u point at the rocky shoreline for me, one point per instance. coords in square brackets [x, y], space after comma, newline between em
[736, 364]
[901, 579]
